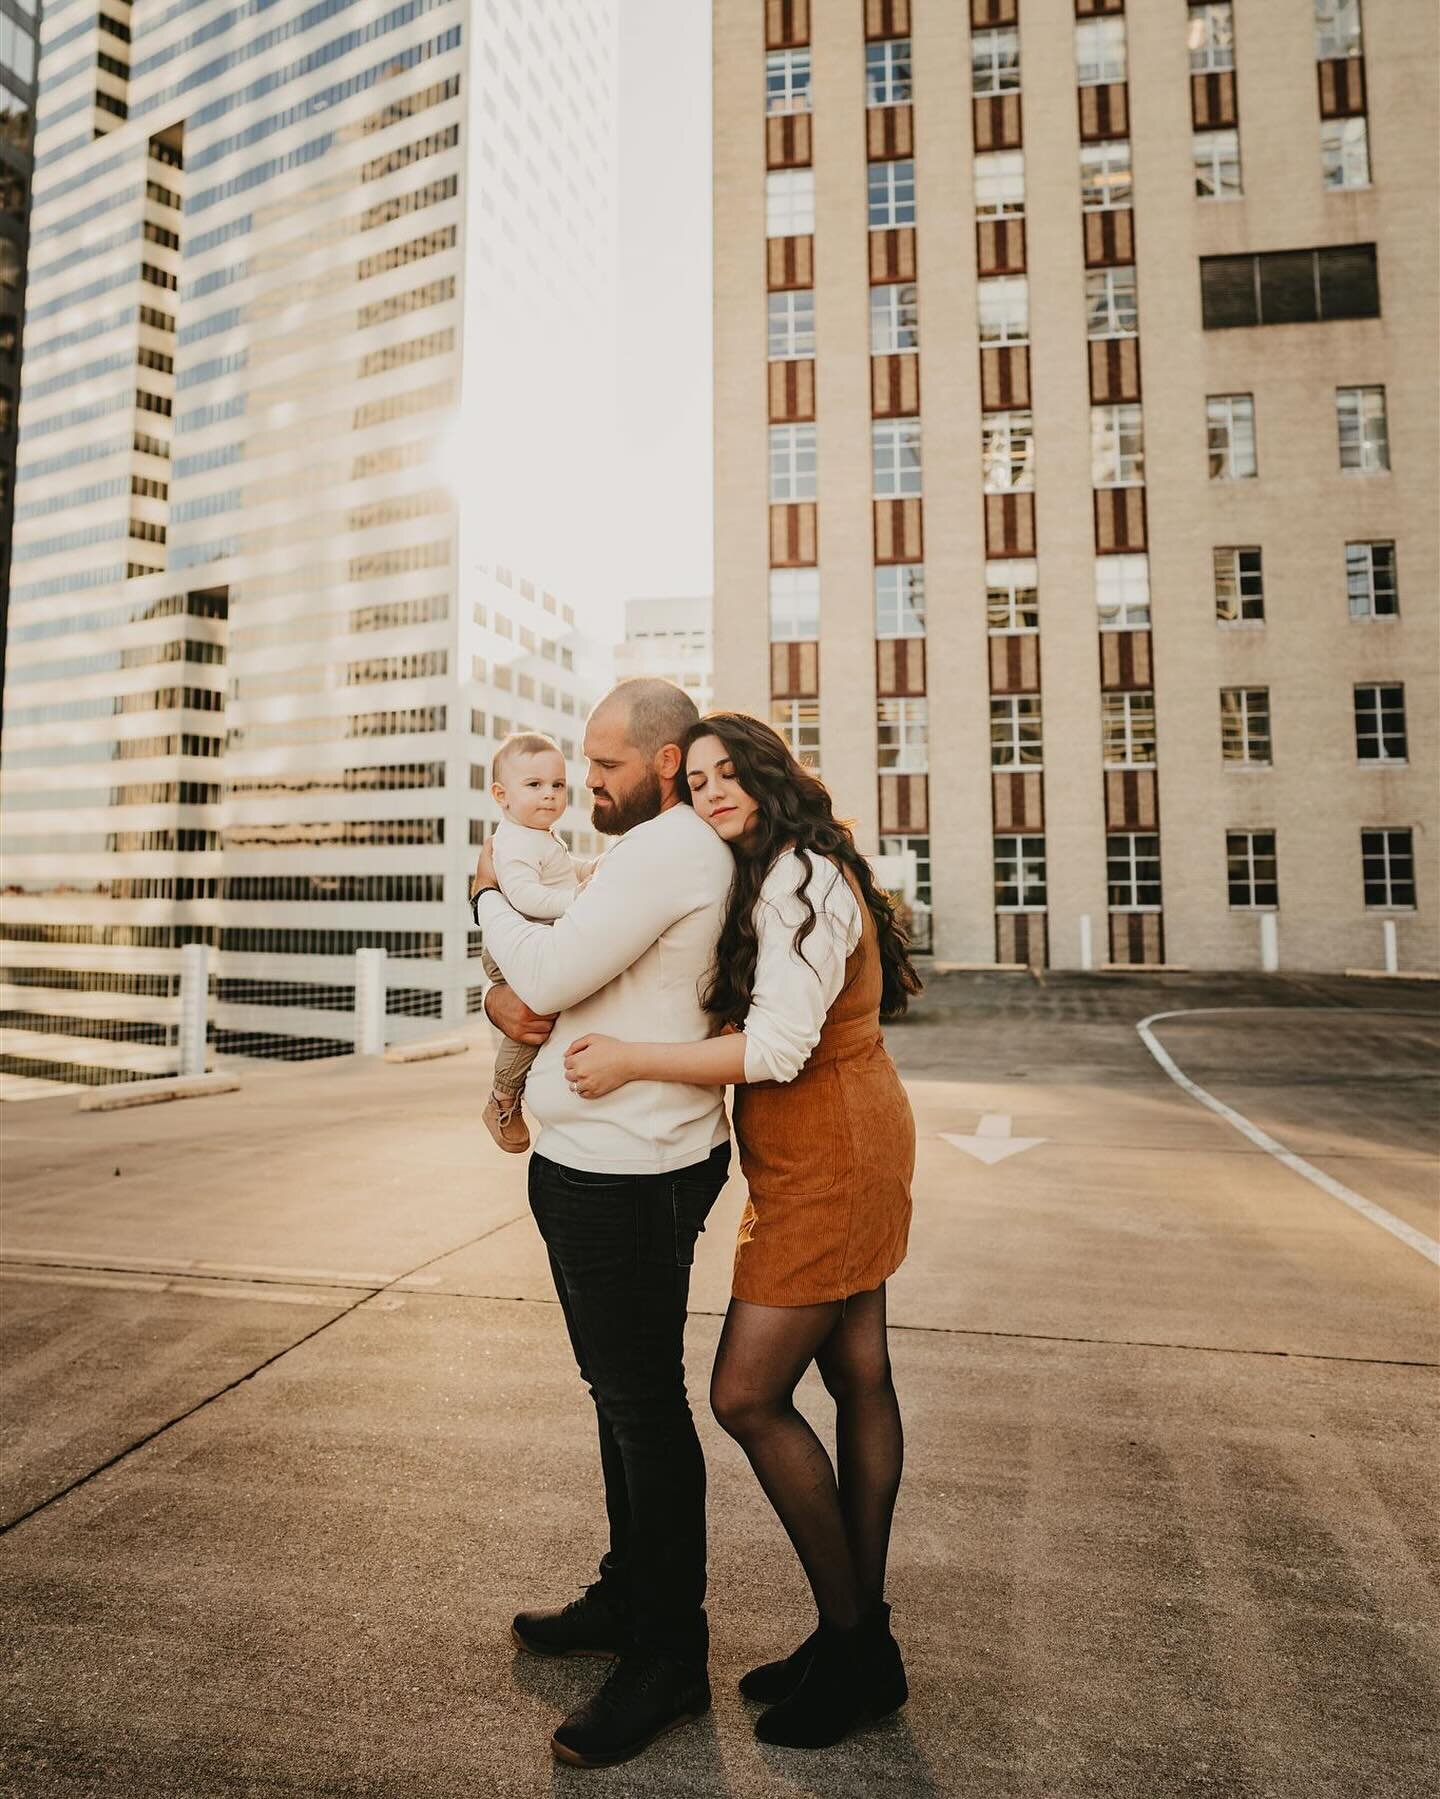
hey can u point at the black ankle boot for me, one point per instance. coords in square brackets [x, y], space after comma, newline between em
[773, 1681]
[828, 1703]
[597, 1623]
[883, 1687]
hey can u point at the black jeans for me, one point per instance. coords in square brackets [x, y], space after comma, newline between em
[620, 1253]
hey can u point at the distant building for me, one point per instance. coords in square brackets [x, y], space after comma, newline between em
[19, 53]
[672, 638]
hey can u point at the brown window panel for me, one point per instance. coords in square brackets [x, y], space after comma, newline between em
[787, 23]
[1104, 112]
[900, 668]
[889, 132]
[792, 392]
[1091, 9]
[1212, 100]
[1119, 520]
[998, 122]
[1114, 369]
[994, 12]
[789, 262]
[892, 254]
[793, 535]
[1015, 663]
[894, 386]
[887, 18]
[1137, 939]
[1125, 663]
[1109, 237]
[1000, 246]
[1019, 802]
[1005, 377]
[1022, 937]
[1132, 802]
[899, 531]
[1342, 87]
[787, 141]
[904, 804]
[794, 671]
[1009, 524]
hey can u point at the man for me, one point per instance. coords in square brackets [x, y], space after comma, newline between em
[620, 1188]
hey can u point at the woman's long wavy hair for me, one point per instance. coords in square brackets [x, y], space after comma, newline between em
[794, 812]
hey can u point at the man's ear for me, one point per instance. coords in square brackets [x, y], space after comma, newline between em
[667, 763]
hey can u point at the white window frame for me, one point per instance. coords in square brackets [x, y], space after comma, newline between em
[790, 203]
[1339, 30]
[890, 194]
[999, 180]
[1017, 732]
[1215, 156]
[995, 61]
[894, 318]
[1376, 724]
[1003, 309]
[787, 81]
[1363, 430]
[900, 600]
[794, 605]
[1211, 36]
[902, 736]
[1230, 425]
[1100, 51]
[1024, 853]
[1126, 852]
[1239, 584]
[895, 458]
[1117, 445]
[798, 722]
[1381, 847]
[1127, 729]
[1345, 153]
[1246, 726]
[1242, 869]
[1122, 591]
[1361, 581]
[1112, 303]
[1012, 597]
[919, 847]
[1007, 451]
[790, 324]
[793, 463]
[889, 73]
[1107, 176]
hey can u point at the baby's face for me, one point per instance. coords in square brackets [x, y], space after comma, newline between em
[534, 789]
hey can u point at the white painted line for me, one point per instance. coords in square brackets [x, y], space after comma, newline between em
[992, 1141]
[1367, 1208]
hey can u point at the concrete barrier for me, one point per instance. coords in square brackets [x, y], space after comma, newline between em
[153, 1093]
[427, 1050]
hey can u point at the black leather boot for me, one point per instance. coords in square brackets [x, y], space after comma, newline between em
[597, 1623]
[644, 1696]
[883, 1687]
[773, 1681]
[828, 1703]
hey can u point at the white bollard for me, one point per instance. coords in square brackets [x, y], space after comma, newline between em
[1392, 947]
[194, 1006]
[1087, 948]
[369, 1002]
[1269, 942]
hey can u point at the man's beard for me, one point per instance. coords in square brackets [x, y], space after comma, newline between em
[641, 803]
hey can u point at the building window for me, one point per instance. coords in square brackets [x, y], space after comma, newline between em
[1111, 304]
[1000, 185]
[1122, 592]
[1387, 859]
[1371, 584]
[1099, 52]
[902, 736]
[1132, 867]
[792, 463]
[894, 318]
[1337, 29]
[1364, 437]
[1212, 37]
[1231, 422]
[1004, 307]
[798, 722]
[1019, 874]
[1216, 156]
[1250, 869]
[1015, 730]
[900, 600]
[887, 73]
[1127, 730]
[1012, 596]
[896, 457]
[787, 81]
[919, 847]
[1245, 726]
[1007, 448]
[1380, 722]
[790, 203]
[1106, 181]
[995, 61]
[1117, 446]
[1345, 152]
[1289, 287]
[794, 605]
[1239, 586]
[791, 323]
[892, 194]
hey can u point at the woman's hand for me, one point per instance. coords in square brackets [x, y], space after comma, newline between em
[595, 1066]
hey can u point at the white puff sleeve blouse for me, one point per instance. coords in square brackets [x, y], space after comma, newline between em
[795, 989]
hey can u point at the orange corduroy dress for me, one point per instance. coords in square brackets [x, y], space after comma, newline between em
[829, 1158]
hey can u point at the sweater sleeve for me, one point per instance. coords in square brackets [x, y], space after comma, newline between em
[794, 989]
[518, 868]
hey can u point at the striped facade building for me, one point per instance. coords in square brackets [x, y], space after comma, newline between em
[1075, 460]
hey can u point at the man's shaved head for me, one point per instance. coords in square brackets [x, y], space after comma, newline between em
[656, 712]
[632, 741]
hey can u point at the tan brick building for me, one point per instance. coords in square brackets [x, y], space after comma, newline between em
[1076, 459]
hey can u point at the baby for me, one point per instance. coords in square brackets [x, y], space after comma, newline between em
[540, 879]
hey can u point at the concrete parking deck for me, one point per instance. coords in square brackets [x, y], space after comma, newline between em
[292, 1428]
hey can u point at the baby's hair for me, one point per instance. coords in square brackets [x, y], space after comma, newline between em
[520, 743]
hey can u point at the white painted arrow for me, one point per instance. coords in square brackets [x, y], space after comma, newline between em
[992, 1141]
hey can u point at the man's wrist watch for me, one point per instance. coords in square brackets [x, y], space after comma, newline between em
[477, 896]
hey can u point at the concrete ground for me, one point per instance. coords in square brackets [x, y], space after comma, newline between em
[291, 1428]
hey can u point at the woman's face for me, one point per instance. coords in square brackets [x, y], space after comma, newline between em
[715, 793]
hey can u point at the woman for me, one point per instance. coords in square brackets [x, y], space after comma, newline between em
[810, 959]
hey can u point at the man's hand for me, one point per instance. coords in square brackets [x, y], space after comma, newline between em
[509, 1014]
[484, 875]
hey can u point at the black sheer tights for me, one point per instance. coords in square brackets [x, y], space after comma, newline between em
[841, 1530]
